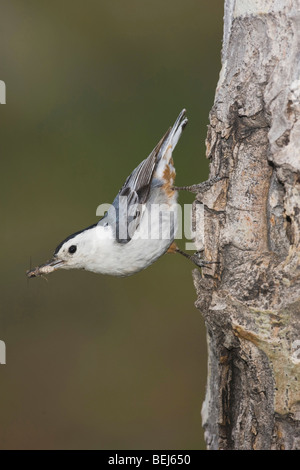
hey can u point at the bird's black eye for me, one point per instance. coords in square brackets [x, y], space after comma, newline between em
[72, 249]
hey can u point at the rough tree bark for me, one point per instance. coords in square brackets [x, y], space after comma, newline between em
[251, 300]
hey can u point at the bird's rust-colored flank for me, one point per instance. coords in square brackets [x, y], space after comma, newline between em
[172, 248]
[169, 177]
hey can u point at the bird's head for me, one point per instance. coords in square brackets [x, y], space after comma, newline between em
[75, 252]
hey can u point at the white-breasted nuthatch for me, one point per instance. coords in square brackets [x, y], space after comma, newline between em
[131, 235]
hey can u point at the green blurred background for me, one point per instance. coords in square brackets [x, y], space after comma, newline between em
[95, 362]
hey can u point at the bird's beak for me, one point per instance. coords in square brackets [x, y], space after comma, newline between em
[51, 265]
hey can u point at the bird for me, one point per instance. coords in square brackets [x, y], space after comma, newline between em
[131, 235]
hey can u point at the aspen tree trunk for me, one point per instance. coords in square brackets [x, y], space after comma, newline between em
[251, 300]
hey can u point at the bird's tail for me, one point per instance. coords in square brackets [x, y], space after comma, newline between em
[164, 169]
[171, 138]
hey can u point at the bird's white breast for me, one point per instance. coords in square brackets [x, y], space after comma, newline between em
[152, 239]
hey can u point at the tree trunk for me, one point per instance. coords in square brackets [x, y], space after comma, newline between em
[251, 299]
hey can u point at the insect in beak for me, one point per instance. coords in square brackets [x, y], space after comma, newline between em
[46, 268]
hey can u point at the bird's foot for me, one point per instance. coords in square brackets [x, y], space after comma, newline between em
[200, 262]
[201, 187]
[196, 258]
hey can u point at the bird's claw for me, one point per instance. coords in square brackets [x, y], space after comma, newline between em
[200, 262]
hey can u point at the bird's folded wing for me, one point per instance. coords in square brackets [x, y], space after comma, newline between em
[126, 211]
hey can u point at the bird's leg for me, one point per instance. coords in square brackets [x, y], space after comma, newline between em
[201, 187]
[195, 257]
[212, 211]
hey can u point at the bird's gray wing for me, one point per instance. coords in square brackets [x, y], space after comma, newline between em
[125, 213]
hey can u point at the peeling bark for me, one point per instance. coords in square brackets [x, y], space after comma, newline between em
[251, 300]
